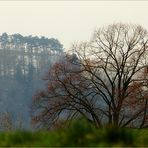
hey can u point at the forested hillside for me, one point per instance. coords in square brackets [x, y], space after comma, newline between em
[24, 60]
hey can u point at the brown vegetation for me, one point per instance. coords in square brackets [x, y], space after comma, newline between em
[104, 81]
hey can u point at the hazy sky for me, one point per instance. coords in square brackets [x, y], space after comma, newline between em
[69, 21]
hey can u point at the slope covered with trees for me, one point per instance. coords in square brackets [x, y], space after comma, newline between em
[23, 61]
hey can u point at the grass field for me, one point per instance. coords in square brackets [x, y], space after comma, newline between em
[78, 134]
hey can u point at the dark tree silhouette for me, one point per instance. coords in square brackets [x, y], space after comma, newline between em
[105, 84]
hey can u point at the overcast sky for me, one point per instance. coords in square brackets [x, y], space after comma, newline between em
[69, 21]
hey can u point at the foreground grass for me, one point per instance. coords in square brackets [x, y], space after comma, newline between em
[79, 134]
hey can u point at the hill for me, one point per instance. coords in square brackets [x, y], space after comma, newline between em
[23, 62]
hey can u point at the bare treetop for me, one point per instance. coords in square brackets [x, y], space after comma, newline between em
[111, 79]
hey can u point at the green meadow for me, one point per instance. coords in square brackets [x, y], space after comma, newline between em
[79, 134]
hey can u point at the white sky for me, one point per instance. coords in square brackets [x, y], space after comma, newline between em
[69, 21]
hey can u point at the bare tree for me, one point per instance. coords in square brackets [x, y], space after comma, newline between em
[104, 81]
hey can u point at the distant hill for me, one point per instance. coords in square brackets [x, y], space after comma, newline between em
[24, 60]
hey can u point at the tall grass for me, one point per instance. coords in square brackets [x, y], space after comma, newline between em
[80, 133]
